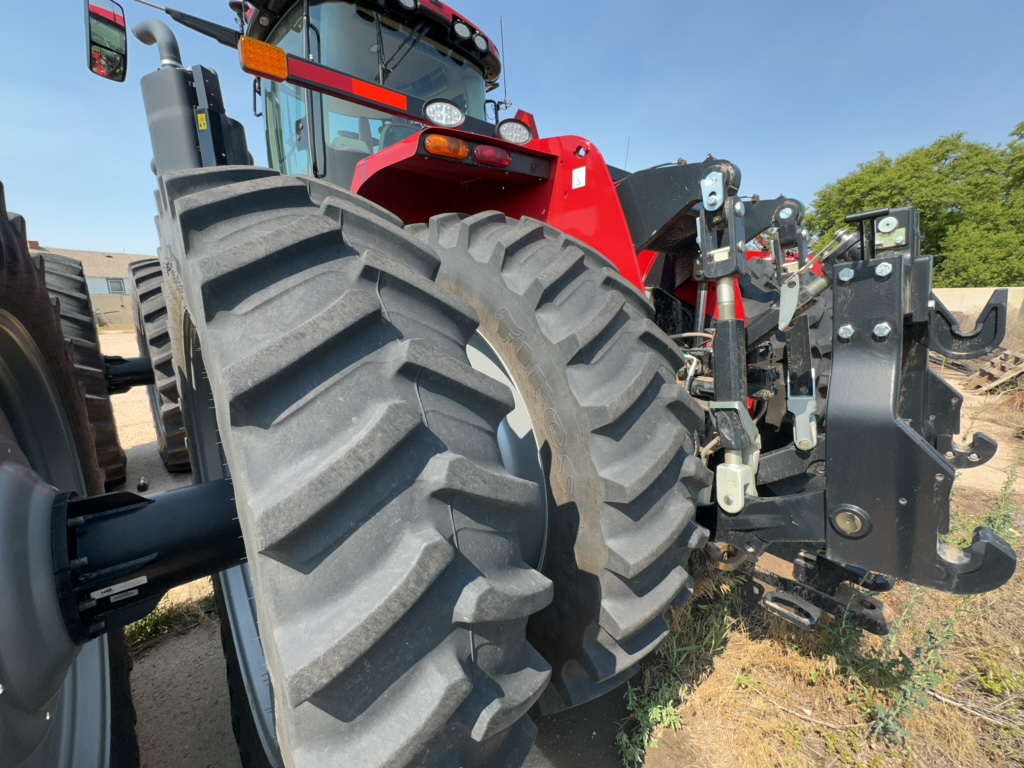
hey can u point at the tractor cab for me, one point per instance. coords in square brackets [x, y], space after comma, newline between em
[383, 51]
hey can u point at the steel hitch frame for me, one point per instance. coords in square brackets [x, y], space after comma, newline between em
[892, 419]
[116, 555]
[124, 373]
[811, 584]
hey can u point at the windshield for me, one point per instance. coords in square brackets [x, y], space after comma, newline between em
[376, 49]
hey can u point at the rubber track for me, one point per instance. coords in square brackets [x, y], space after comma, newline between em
[380, 526]
[66, 283]
[150, 310]
[635, 475]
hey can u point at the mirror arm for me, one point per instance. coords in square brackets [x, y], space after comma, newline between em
[223, 35]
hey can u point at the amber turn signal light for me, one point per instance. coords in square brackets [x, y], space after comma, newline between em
[262, 59]
[446, 146]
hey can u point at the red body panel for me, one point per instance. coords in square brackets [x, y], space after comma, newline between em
[579, 198]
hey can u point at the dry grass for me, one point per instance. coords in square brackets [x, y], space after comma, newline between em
[946, 689]
[178, 612]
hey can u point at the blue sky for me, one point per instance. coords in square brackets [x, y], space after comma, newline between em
[807, 90]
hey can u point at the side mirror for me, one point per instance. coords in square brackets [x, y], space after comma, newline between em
[107, 39]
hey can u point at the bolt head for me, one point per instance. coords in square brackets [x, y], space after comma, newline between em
[846, 275]
[900, 241]
[740, 208]
[974, 457]
[882, 331]
[884, 269]
[849, 523]
[804, 445]
[846, 332]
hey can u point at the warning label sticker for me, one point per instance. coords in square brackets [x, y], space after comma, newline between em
[114, 589]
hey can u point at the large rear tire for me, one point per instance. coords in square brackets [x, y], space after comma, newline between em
[66, 283]
[381, 528]
[149, 308]
[45, 429]
[614, 430]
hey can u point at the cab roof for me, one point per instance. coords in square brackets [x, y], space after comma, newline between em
[267, 13]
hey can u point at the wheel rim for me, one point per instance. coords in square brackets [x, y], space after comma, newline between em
[235, 584]
[79, 715]
[519, 450]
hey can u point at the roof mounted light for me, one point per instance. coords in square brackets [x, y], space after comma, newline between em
[444, 113]
[480, 42]
[515, 132]
[408, 5]
[462, 30]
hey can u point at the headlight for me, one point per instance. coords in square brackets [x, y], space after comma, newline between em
[515, 132]
[444, 113]
[408, 5]
[480, 42]
[462, 30]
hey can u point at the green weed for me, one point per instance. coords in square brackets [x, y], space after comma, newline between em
[166, 619]
[698, 633]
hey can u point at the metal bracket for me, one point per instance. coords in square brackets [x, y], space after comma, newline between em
[886, 419]
[789, 302]
[734, 482]
[805, 421]
[946, 338]
[712, 189]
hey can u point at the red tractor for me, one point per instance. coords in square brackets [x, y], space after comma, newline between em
[473, 397]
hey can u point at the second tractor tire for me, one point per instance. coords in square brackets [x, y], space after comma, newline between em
[149, 308]
[614, 429]
[66, 283]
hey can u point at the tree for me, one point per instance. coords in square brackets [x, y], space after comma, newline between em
[971, 199]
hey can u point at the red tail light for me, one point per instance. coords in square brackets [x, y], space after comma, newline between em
[496, 156]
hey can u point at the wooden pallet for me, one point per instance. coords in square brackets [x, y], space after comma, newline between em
[998, 369]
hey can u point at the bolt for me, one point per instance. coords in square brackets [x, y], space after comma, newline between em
[713, 197]
[882, 331]
[846, 275]
[740, 208]
[950, 455]
[849, 523]
[974, 457]
[903, 502]
[940, 477]
[900, 241]
[805, 234]
[804, 445]
[884, 269]
[143, 485]
[785, 213]
[846, 332]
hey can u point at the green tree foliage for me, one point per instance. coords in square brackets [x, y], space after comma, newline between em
[971, 199]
